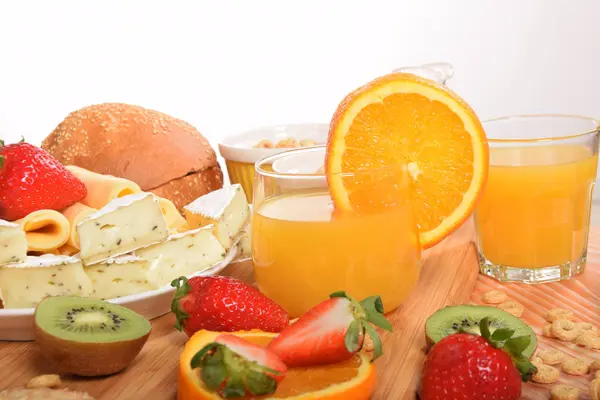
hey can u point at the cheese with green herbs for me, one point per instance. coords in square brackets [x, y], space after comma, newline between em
[244, 247]
[182, 254]
[24, 285]
[226, 209]
[125, 224]
[118, 277]
[13, 243]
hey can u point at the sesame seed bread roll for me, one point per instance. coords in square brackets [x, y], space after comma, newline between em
[45, 230]
[174, 218]
[102, 189]
[160, 153]
[75, 214]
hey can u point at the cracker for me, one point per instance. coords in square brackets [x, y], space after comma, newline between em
[575, 366]
[494, 297]
[565, 330]
[558, 313]
[546, 374]
[564, 392]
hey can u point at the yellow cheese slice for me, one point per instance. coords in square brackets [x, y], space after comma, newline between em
[75, 214]
[46, 230]
[102, 189]
[175, 220]
[67, 250]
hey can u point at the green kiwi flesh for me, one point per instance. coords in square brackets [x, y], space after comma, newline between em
[451, 319]
[88, 337]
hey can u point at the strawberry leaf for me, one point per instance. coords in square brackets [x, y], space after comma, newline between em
[377, 345]
[183, 288]
[516, 345]
[22, 139]
[234, 387]
[373, 308]
[260, 384]
[484, 327]
[352, 337]
[1, 143]
[197, 360]
[340, 293]
[502, 334]
[213, 375]
[1, 160]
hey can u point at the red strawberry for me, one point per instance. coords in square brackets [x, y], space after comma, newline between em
[235, 367]
[331, 332]
[467, 366]
[31, 180]
[223, 304]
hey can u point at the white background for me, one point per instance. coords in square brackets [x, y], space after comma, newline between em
[227, 66]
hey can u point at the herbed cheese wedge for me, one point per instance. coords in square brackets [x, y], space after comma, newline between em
[13, 243]
[182, 254]
[25, 285]
[226, 209]
[118, 277]
[244, 244]
[123, 225]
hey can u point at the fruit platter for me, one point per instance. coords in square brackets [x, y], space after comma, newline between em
[367, 258]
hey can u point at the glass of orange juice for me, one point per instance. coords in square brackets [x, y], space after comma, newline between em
[303, 249]
[533, 218]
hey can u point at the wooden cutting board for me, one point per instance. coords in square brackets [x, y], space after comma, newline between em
[580, 295]
[449, 276]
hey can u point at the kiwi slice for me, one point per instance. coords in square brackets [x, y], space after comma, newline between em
[452, 319]
[88, 337]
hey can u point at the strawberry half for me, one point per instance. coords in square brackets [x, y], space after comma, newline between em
[224, 304]
[468, 366]
[331, 332]
[32, 180]
[234, 367]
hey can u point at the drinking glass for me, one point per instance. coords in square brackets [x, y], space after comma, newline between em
[304, 248]
[533, 219]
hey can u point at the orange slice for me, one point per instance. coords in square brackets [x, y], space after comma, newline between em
[402, 119]
[351, 379]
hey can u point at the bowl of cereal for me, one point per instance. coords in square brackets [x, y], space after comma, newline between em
[243, 150]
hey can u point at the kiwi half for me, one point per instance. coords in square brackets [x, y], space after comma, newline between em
[88, 337]
[450, 320]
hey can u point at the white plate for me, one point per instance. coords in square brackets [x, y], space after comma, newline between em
[17, 324]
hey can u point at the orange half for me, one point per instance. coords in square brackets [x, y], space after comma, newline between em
[351, 379]
[402, 120]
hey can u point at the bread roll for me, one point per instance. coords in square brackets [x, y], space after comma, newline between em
[160, 153]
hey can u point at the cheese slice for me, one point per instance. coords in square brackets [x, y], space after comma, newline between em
[25, 285]
[75, 214]
[123, 225]
[46, 230]
[182, 254]
[226, 209]
[102, 189]
[174, 219]
[244, 245]
[119, 276]
[13, 243]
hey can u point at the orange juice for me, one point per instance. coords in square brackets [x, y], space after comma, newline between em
[535, 209]
[302, 252]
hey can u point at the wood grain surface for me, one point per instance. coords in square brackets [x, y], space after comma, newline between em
[449, 276]
[580, 295]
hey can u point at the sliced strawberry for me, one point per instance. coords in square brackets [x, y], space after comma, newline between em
[234, 367]
[331, 332]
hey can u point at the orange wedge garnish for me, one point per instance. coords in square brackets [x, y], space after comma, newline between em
[351, 379]
[402, 119]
